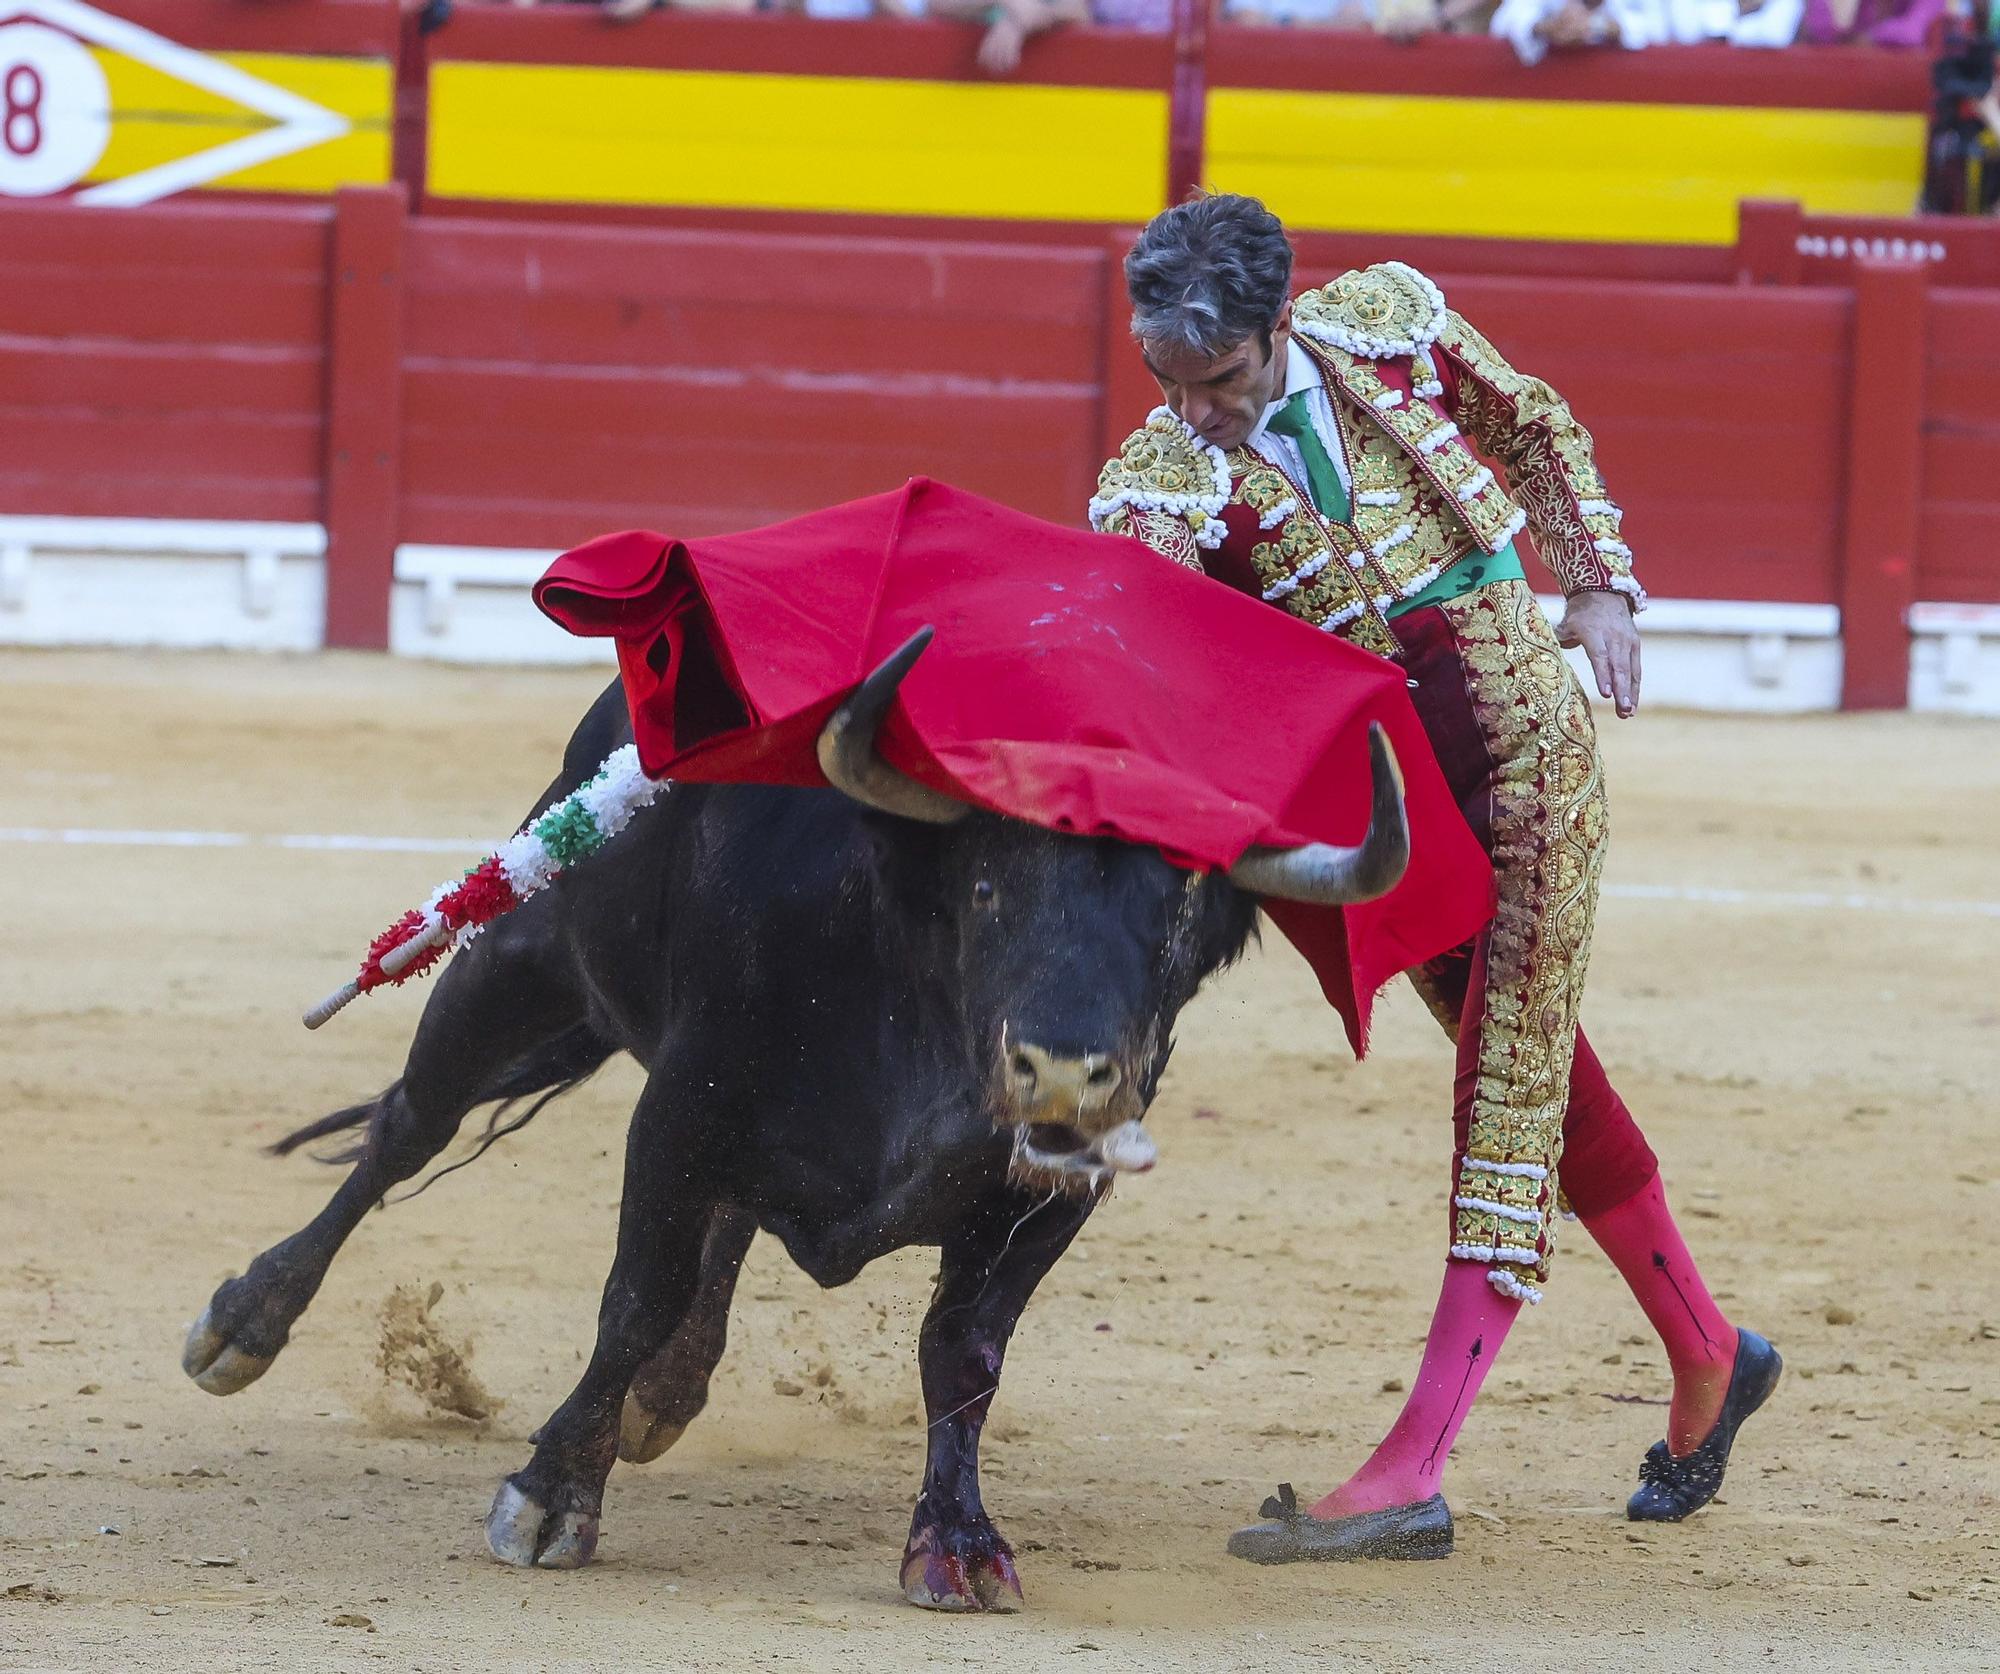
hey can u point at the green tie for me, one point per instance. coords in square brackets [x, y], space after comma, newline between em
[1293, 420]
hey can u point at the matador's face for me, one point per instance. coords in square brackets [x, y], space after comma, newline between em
[1222, 397]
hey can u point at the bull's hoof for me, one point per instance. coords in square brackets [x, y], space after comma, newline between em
[643, 1435]
[215, 1362]
[521, 1532]
[960, 1569]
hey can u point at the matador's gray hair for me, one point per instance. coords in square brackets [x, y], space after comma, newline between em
[1208, 273]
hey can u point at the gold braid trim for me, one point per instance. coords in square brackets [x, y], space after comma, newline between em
[1166, 534]
[1550, 464]
[1548, 832]
[1163, 475]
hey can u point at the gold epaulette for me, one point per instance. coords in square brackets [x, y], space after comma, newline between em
[1164, 467]
[1377, 312]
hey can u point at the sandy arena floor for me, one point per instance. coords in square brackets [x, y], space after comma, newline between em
[1819, 1078]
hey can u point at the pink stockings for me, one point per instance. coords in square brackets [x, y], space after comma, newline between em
[1642, 1241]
[1471, 1322]
[1466, 1333]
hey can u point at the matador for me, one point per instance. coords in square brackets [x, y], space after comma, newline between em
[1363, 459]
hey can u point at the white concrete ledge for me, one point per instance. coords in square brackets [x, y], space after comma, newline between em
[470, 604]
[262, 586]
[1732, 654]
[133, 581]
[1955, 658]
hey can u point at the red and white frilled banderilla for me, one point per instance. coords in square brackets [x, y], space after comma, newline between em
[565, 832]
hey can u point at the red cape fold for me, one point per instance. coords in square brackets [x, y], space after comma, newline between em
[1077, 681]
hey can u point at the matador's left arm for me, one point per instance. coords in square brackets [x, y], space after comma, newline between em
[1549, 461]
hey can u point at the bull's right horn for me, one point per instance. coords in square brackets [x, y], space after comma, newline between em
[847, 753]
[1327, 875]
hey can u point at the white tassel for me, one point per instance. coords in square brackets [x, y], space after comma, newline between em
[1523, 1170]
[1297, 579]
[1507, 1285]
[1413, 587]
[1506, 1212]
[1341, 617]
[1513, 1255]
[1389, 542]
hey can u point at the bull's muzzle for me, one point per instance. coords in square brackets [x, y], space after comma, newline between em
[1074, 1117]
[1038, 1080]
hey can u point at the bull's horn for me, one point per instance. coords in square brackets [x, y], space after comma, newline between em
[1326, 875]
[847, 747]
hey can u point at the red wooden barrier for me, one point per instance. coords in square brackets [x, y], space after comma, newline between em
[507, 383]
[364, 406]
[1879, 549]
[1779, 244]
[563, 381]
[1959, 552]
[162, 362]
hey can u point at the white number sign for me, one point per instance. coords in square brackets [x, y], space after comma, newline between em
[55, 111]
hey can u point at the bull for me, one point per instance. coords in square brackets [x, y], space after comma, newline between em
[870, 1017]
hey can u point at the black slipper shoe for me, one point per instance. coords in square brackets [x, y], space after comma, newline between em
[1670, 1488]
[1292, 1536]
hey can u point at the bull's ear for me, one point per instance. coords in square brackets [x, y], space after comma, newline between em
[908, 864]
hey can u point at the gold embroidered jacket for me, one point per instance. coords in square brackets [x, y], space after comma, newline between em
[1414, 390]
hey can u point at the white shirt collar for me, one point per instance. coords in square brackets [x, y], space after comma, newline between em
[1301, 373]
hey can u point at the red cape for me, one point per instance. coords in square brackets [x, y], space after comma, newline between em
[1077, 681]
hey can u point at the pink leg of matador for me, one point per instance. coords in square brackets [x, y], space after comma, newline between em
[1612, 1180]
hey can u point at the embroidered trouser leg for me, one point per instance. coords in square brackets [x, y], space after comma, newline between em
[1513, 733]
[1605, 1158]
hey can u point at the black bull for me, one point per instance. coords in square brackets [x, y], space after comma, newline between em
[868, 1020]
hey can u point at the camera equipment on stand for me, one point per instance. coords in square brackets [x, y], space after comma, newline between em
[1962, 162]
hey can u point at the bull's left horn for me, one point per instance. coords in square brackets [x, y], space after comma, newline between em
[847, 747]
[1327, 875]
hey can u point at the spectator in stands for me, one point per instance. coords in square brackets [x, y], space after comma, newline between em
[1467, 17]
[1893, 23]
[1537, 27]
[1010, 23]
[1399, 20]
[1773, 23]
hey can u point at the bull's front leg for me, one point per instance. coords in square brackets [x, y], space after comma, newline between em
[956, 1559]
[546, 1514]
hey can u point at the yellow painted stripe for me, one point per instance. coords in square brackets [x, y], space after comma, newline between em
[158, 118]
[1552, 169]
[554, 134]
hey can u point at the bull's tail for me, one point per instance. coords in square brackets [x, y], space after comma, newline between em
[561, 1063]
[341, 1121]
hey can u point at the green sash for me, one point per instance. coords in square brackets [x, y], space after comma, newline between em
[1468, 575]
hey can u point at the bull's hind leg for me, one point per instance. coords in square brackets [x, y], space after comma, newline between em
[672, 1387]
[956, 1559]
[546, 1514]
[506, 1020]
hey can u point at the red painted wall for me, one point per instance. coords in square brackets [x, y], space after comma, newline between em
[1960, 507]
[163, 363]
[1719, 414]
[531, 384]
[561, 381]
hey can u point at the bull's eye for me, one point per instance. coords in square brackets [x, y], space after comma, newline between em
[982, 893]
